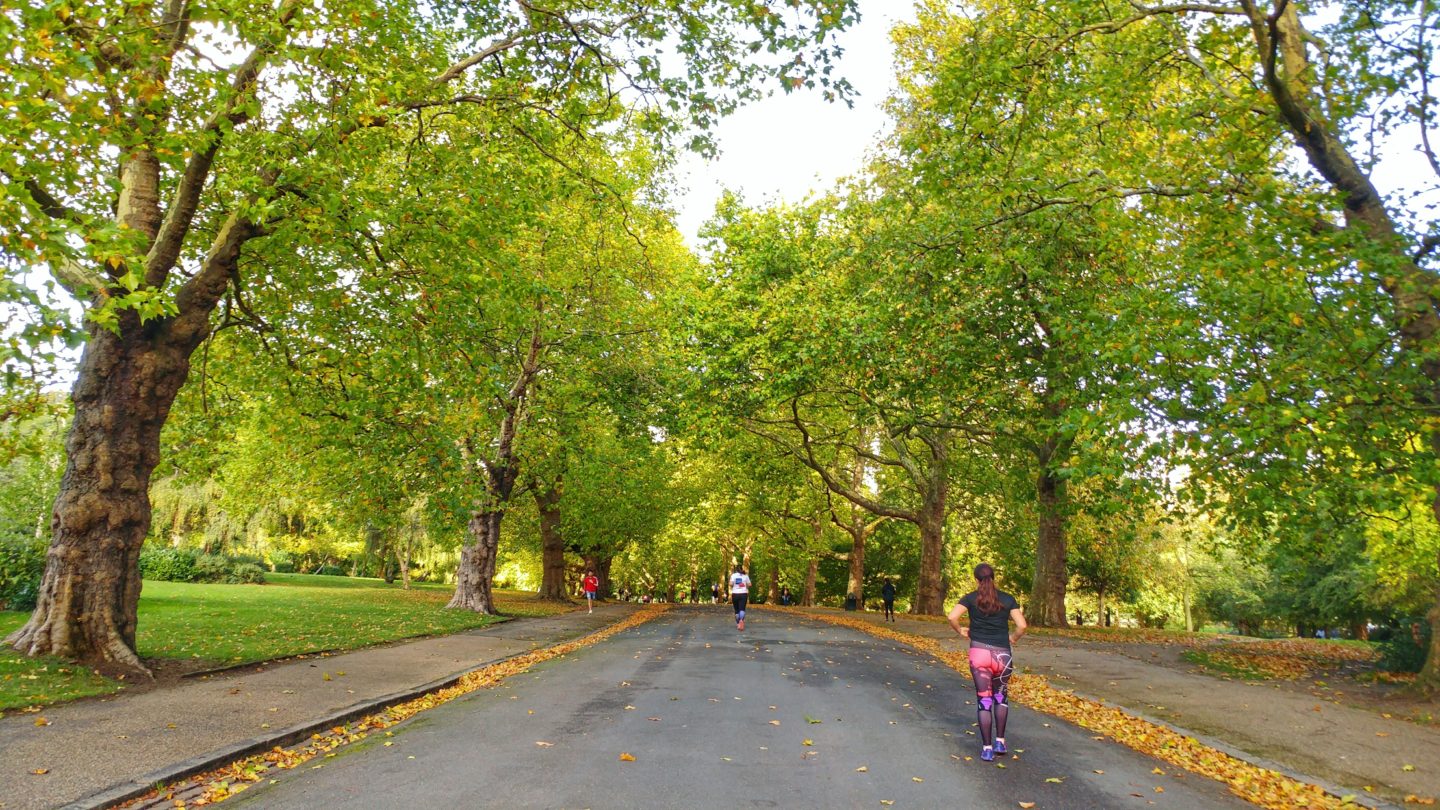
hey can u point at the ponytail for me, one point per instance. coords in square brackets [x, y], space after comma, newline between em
[986, 598]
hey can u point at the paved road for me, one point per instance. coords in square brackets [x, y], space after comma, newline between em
[695, 703]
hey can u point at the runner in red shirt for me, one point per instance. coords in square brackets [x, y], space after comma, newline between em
[591, 584]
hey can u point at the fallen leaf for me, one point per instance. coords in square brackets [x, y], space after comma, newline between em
[40, 721]
[1100, 772]
[629, 708]
[327, 677]
[1157, 771]
[774, 722]
[544, 744]
[887, 802]
[1407, 768]
[653, 719]
[916, 779]
[1159, 789]
[627, 758]
[862, 769]
[808, 742]
[1027, 805]
[40, 771]
[1055, 780]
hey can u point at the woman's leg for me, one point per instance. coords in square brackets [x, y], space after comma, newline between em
[981, 669]
[1002, 690]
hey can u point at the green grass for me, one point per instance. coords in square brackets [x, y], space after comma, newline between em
[1224, 666]
[224, 625]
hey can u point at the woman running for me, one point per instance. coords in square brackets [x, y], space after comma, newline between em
[991, 612]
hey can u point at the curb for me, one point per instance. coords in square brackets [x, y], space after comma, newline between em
[1361, 798]
[135, 788]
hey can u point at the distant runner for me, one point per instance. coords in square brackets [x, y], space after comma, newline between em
[739, 594]
[591, 584]
[887, 593]
[991, 612]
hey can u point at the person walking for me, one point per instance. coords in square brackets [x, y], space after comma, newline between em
[739, 595]
[991, 611]
[887, 593]
[785, 598]
[590, 585]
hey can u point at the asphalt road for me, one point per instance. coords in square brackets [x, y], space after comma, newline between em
[790, 713]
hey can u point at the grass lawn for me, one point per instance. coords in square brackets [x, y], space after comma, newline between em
[220, 625]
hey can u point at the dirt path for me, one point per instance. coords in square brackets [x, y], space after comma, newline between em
[1292, 729]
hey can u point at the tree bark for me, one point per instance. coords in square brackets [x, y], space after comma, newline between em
[552, 545]
[1047, 594]
[1100, 600]
[773, 596]
[475, 577]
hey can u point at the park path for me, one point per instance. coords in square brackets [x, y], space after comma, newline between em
[1273, 725]
[789, 713]
[94, 748]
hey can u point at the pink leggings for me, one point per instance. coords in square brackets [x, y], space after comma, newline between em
[991, 669]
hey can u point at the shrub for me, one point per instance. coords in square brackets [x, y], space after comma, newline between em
[168, 564]
[282, 562]
[246, 573]
[185, 565]
[22, 562]
[333, 570]
[1402, 653]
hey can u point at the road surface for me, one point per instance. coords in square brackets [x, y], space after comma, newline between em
[791, 713]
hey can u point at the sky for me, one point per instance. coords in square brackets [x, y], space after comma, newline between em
[787, 145]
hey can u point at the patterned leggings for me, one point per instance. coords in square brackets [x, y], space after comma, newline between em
[991, 668]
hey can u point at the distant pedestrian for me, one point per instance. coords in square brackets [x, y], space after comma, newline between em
[991, 612]
[887, 592]
[714, 593]
[785, 597]
[739, 594]
[591, 584]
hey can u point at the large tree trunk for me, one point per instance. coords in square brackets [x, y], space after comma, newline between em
[930, 599]
[476, 574]
[773, 596]
[1047, 594]
[855, 586]
[552, 545]
[807, 599]
[89, 593]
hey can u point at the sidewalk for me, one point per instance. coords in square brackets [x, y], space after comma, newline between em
[1327, 741]
[99, 747]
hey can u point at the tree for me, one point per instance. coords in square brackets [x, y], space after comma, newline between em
[145, 170]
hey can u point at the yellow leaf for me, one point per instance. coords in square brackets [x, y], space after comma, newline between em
[916, 779]
[544, 744]
[1056, 780]
[887, 802]
[629, 708]
[862, 769]
[40, 771]
[40, 721]
[1027, 805]
[327, 677]
[627, 758]
[1158, 771]
[808, 742]
[1407, 768]
[774, 722]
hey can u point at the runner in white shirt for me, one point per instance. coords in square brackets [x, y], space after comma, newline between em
[739, 594]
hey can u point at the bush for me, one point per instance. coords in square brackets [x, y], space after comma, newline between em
[22, 562]
[246, 573]
[333, 570]
[282, 562]
[184, 565]
[1401, 653]
[168, 564]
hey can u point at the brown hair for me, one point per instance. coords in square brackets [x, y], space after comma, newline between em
[985, 596]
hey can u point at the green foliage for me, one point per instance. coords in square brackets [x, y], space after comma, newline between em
[22, 562]
[1403, 651]
[187, 565]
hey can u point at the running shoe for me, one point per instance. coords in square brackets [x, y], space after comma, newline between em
[999, 746]
[987, 754]
[741, 624]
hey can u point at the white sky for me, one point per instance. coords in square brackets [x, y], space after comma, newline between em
[787, 145]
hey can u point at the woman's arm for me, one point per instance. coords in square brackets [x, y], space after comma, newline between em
[954, 617]
[1017, 616]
